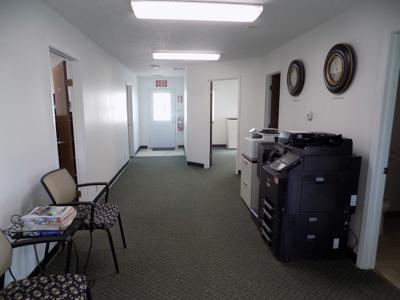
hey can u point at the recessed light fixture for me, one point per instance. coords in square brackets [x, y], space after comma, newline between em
[196, 11]
[186, 56]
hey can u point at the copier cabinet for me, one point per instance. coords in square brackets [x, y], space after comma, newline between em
[249, 183]
[305, 207]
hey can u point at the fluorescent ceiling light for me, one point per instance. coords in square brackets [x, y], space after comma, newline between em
[196, 11]
[186, 56]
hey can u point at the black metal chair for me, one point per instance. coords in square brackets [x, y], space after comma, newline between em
[64, 286]
[63, 190]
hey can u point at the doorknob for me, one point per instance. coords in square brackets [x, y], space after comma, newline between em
[60, 142]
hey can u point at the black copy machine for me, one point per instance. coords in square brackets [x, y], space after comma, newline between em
[308, 190]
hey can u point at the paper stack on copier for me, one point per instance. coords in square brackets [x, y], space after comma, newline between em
[258, 136]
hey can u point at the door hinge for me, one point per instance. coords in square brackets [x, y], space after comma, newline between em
[385, 171]
[270, 88]
[70, 82]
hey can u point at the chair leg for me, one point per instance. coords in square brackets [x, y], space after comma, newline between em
[121, 228]
[113, 250]
[88, 294]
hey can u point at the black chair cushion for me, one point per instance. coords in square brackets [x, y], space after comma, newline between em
[66, 286]
[105, 215]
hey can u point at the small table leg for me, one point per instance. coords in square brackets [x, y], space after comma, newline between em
[69, 248]
[46, 253]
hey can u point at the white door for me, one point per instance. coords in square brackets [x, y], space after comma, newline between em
[162, 119]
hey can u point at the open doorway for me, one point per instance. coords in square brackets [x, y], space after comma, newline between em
[224, 120]
[161, 110]
[162, 135]
[272, 100]
[61, 86]
[388, 254]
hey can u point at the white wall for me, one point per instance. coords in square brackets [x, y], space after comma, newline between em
[145, 87]
[355, 114]
[251, 75]
[226, 97]
[27, 131]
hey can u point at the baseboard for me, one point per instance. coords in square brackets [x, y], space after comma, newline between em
[140, 148]
[181, 146]
[194, 164]
[118, 173]
[219, 145]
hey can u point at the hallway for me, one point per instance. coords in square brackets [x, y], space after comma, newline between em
[190, 236]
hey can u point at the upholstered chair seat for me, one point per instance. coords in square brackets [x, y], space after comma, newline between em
[67, 286]
[105, 216]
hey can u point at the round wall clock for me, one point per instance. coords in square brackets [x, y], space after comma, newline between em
[339, 68]
[295, 77]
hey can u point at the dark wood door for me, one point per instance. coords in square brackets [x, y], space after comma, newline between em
[275, 89]
[63, 119]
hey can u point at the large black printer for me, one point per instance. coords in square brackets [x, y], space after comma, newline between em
[308, 190]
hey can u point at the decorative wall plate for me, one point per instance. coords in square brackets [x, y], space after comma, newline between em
[339, 68]
[295, 77]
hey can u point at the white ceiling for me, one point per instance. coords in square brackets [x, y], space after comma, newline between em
[113, 26]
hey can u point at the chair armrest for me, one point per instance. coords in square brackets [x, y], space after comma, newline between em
[106, 189]
[77, 203]
[92, 183]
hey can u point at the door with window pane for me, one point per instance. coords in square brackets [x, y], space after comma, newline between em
[162, 119]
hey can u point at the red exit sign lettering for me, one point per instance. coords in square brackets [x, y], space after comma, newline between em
[161, 83]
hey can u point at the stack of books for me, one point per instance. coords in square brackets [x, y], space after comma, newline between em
[48, 220]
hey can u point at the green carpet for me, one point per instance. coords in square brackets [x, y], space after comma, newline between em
[190, 236]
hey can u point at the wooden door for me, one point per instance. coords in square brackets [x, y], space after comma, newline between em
[275, 90]
[63, 119]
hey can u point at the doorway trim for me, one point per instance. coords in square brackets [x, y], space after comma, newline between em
[239, 79]
[372, 212]
[77, 111]
[129, 112]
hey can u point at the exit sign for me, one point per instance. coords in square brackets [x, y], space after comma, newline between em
[161, 83]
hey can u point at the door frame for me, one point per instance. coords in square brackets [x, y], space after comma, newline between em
[150, 111]
[129, 111]
[239, 79]
[372, 212]
[77, 111]
[268, 82]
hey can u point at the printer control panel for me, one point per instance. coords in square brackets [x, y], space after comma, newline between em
[287, 161]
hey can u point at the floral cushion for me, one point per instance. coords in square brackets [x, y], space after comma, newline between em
[66, 286]
[105, 215]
